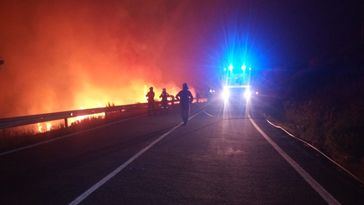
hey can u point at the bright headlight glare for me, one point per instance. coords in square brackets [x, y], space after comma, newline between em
[225, 94]
[247, 94]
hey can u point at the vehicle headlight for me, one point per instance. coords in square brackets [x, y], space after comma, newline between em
[225, 94]
[247, 94]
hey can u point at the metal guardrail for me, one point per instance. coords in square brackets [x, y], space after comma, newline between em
[32, 119]
[64, 115]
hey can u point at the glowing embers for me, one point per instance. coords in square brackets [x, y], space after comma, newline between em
[79, 119]
[44, 127]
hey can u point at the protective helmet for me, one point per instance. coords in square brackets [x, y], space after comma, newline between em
[185, 86]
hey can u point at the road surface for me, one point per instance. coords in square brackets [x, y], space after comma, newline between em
[219, 157]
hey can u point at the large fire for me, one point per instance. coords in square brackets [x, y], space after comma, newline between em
[93, 102]
[90, 101]
[71, 55]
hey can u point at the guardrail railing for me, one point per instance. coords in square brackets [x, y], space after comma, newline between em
[32, 119]
[65, 115]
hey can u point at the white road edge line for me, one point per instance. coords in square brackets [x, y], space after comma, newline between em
[93, 188]
[305, 175]
[319, 151]
[63, 137]
[208, 114]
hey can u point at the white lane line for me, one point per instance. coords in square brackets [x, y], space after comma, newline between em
[306, 176]
[208, 114]
[319, 151]
[89, 191]
[63, 137]
[279, 127]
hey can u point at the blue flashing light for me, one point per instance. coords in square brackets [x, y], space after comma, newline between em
[250, 68]
[243, 67]
[231, 67]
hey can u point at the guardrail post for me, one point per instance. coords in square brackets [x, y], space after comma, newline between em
[66, 122]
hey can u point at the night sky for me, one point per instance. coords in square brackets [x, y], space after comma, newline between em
[62, 55]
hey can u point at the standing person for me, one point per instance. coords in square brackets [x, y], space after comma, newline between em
[198, 96]
[164, 95]
[172, 100]
[185, 98]
[150, 98]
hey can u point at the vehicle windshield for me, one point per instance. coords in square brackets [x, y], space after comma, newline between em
[237, 76]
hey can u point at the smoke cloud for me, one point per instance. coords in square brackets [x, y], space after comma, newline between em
[62, 55]
[68, 54]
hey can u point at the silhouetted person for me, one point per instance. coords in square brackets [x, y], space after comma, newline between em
[164, 95]
[150, 98]
[198, 96]
[172, 100]
[185, 99]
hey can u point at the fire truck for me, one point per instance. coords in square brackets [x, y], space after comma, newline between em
[236, 84]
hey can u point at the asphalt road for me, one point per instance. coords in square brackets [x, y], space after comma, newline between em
[219, 157]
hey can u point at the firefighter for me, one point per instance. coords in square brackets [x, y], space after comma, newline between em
[150, 99]
[185, 99]
[164, 95]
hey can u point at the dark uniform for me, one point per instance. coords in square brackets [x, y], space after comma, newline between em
[150, 98]
[185, 99]
[164, 97]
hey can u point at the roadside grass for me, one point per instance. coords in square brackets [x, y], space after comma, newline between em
[328, 114]
[12, 138]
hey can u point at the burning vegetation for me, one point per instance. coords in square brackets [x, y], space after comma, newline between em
[73, 55]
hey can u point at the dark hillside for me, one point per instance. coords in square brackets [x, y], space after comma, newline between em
[325, 106]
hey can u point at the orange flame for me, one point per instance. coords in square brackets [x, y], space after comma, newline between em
[44, 127]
